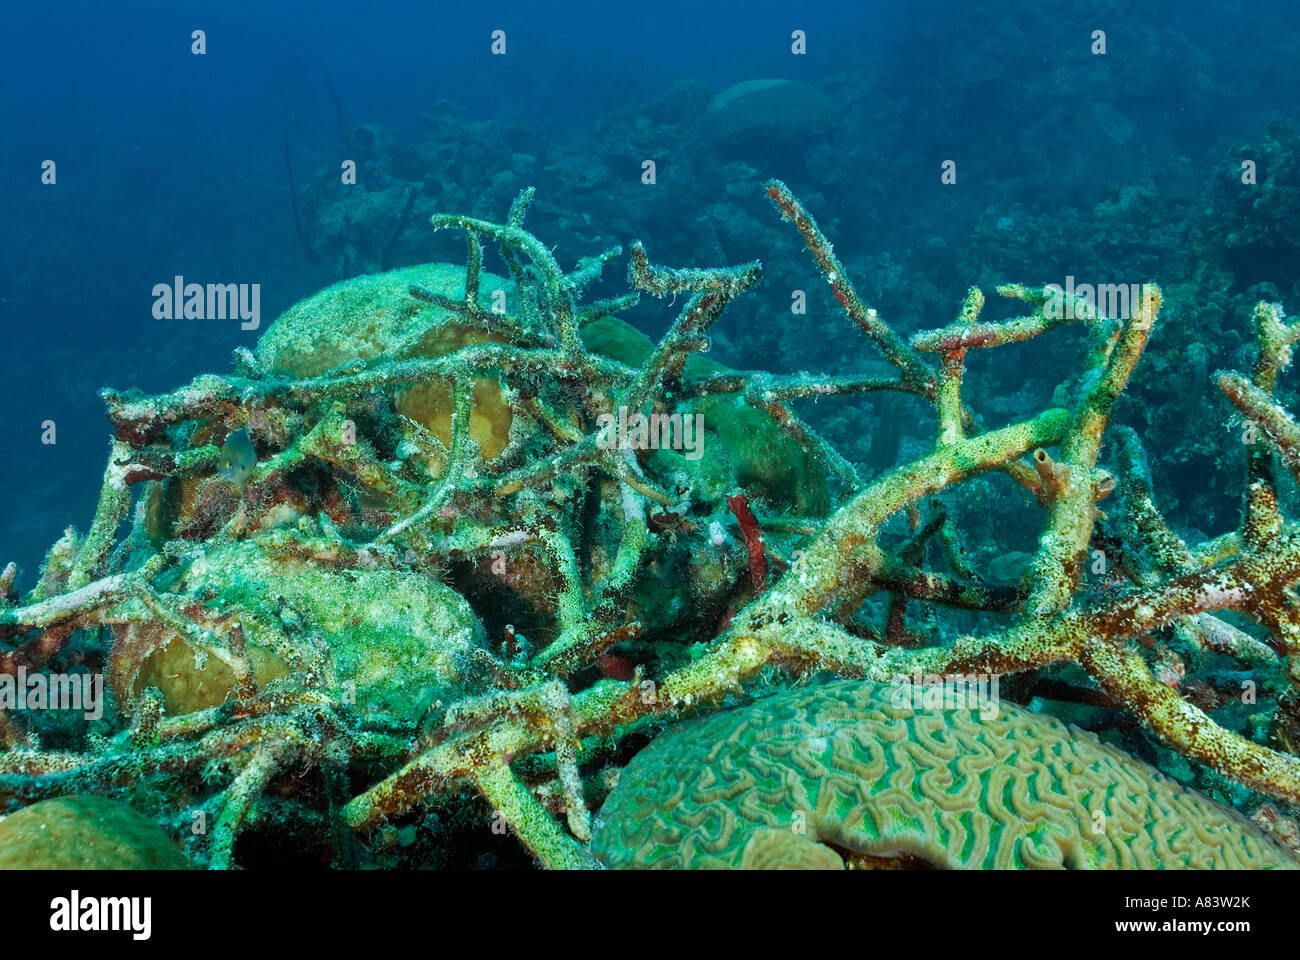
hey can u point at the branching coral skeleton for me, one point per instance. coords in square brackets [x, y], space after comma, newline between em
[806, 620]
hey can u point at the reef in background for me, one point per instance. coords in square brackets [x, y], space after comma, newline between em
[441, 569]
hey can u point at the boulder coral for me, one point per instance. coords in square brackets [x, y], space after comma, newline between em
[846, 773]
[390, 643]
[85, 833]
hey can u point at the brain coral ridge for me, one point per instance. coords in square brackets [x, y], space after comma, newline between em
[837, 775]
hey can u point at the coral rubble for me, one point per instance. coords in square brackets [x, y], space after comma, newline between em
[435, 573]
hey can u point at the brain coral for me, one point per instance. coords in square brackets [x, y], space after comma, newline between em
[880, 785]
[85, 833]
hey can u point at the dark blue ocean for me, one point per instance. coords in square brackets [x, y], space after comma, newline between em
[169, 162]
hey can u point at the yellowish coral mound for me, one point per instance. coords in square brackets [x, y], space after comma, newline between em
[393, 641]
[375, 318]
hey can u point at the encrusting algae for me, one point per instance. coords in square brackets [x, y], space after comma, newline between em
[392, 556]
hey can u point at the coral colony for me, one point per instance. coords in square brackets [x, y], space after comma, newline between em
[456, 561]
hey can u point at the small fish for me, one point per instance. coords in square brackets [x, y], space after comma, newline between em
[238, 458]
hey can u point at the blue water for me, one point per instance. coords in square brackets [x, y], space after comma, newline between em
[172, 164]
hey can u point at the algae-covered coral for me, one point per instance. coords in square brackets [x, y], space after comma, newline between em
[84, 833]
[446, 574]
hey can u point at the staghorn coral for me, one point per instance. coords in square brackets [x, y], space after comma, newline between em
[842, 767]
[588, 558]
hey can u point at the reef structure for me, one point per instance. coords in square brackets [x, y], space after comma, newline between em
[438, 427]
[839, 773]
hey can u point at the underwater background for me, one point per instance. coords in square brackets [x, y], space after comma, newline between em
[941, 146]
[1117, 168]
